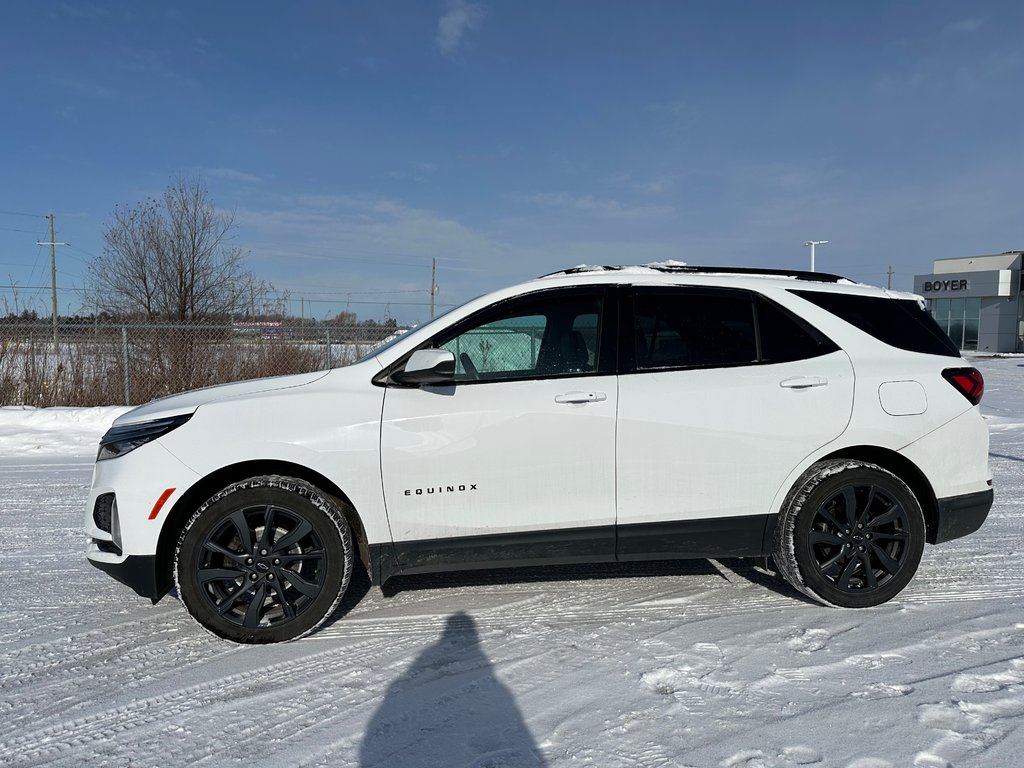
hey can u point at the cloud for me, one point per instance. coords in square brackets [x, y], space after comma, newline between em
[335, 244]
[83, 10]
[460, 17]
[84, 88]
[418, 172]
[655, 185]
[368, 230]
[946, 77]
[230, 174]
[964, 26]
[599, 206]
[676, 115]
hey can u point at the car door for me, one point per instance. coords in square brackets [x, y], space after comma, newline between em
[514, 461]
[726, 394]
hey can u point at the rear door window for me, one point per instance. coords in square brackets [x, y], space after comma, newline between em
[717, 327]
[693, 329]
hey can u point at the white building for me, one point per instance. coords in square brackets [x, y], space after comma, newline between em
[978, 300]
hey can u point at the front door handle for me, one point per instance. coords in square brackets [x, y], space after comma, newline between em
[803, 382]
[581, 397]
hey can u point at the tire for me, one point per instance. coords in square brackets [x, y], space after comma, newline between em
[265, 560]
[850, 534]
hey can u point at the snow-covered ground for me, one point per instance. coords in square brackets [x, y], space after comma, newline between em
[700, 663]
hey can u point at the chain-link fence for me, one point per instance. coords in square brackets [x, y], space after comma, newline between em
[109, 364]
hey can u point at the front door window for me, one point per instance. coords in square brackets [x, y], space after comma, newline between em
[543, 337]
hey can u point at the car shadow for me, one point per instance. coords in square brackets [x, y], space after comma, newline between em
[449, 708]
[765, 576]
[1006, 456]
[753, 570]
[358, 587]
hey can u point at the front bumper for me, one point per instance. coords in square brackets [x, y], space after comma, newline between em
[958, 516]
[135, 571]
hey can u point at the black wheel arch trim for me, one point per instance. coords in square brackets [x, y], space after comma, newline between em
[202, 490]
[905, 470]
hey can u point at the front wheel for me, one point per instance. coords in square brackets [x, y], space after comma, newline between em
[264, 560]
[850, 534]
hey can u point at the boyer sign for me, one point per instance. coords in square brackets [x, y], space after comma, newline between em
[935, 286]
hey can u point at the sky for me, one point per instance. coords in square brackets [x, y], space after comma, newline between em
[355, 142]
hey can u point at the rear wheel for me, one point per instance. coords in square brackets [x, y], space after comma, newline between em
[850, 534]
[265, 560]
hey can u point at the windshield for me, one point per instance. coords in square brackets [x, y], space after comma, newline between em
[399, 335]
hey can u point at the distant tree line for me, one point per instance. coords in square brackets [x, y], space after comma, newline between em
[341, 320]
[172, 259]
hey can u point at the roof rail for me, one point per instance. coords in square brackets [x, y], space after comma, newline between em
[818, 277]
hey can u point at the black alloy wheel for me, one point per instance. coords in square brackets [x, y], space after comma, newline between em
[860, 537]
[265, 560]
[850, 534]
[262, 565]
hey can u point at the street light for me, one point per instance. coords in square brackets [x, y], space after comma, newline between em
[813, 243]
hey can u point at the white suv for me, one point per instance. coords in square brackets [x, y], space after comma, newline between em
[596, 414]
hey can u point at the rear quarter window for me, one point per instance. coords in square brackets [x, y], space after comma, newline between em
[900, 323]
[786, 337]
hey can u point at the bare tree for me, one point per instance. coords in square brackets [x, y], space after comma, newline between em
[172, 259]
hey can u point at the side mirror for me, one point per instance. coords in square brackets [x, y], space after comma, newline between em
[427, 366]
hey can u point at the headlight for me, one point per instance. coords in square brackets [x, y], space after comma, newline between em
[121, 440]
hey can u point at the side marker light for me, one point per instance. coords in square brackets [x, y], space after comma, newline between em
[160, 503]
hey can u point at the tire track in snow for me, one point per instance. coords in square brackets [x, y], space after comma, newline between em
[141, 717]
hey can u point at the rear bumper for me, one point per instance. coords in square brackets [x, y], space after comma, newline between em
[960, 515]
[135, 571]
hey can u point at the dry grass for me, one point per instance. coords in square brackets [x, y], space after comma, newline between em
[88, 369]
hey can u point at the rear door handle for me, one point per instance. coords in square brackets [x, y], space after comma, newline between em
[581, 397]
[803, 382]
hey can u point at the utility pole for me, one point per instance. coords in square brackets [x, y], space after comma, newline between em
[888, 285]
[813, 243]
[433, 285]
[53, 276]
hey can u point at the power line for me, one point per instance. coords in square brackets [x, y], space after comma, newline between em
[87, 253]
[32, 272]
[76, 258]
[359, 260]
[343, 292]
[19, 213]
[87, 291]
[375, 261]
[375, 303]
[26, 231]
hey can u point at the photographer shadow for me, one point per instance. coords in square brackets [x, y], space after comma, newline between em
[448, 709]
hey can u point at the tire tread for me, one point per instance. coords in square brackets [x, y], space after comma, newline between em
[328, 505]
[784, 545]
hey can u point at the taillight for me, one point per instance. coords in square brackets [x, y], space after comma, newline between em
[968, 382]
